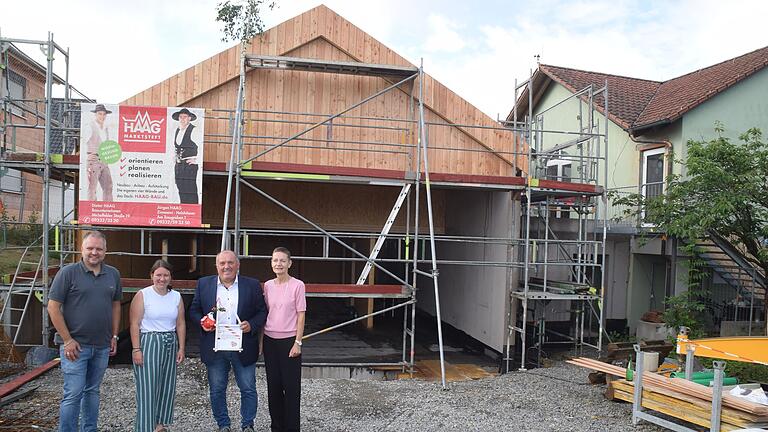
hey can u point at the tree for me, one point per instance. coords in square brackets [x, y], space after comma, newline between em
[724, 189]
[242, 18]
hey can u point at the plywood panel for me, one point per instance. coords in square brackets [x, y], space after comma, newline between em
[332, 206]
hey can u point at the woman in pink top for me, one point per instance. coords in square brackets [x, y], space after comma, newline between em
[286, 306]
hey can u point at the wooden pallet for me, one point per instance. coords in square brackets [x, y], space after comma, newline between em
[430, 370]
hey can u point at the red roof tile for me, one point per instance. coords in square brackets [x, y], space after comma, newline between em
[679, 95]
[627, 97]
[637, 104]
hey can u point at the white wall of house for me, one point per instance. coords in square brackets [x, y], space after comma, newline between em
[474, 298]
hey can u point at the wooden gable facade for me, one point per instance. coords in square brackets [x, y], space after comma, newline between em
[380, 134]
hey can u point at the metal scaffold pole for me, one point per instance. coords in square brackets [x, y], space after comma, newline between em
[604, 200]
[423, 146]
[47, 182]
[236, 142]
[527, 252]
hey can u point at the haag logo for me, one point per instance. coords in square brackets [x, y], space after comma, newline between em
[142, 129]
[142, 123]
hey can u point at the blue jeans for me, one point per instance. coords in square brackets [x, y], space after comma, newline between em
[82, 378]
[218, 377]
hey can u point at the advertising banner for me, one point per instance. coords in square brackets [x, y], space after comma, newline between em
[141, 166]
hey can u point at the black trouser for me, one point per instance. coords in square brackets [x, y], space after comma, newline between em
[283, 383]
[186, 182]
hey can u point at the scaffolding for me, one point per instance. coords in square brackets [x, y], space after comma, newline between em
[418, 247]
[547, 251]
[54, 116]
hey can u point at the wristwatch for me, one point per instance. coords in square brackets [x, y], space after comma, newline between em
[297, 342]
[116, 337]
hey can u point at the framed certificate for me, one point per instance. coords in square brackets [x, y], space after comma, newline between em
[229, 337]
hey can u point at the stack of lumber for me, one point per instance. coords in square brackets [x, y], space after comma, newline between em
[681, 399]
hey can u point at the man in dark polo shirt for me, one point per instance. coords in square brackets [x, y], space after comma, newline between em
[84, 306]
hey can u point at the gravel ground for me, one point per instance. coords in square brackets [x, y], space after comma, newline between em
[551, 399]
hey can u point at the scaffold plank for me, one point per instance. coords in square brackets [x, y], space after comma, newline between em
[329, 66]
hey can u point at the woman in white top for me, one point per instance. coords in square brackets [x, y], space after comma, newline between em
[158, 332]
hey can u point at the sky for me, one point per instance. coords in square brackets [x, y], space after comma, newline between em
[478, 48]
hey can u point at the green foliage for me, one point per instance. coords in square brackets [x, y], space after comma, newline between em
[686, 309]
[623, 336]
[723, 190]
[745, 372]
[241, 19]
[20, 234]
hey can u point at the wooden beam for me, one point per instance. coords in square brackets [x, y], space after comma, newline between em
[19, 381]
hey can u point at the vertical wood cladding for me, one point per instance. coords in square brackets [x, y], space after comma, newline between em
[303, 98]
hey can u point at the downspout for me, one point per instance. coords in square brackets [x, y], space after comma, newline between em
[671, 277]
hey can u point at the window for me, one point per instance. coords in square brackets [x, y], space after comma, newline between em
[15, 86]
[653, 173]
[559, 170]
[10, 180]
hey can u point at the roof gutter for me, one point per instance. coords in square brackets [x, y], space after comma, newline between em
[633, 130]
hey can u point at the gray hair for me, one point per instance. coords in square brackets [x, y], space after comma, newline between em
[97, 234]
[237, 258]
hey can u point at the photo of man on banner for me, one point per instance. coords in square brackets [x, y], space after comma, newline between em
[98, 171]
[186, 167]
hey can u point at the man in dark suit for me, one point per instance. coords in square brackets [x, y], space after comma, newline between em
[186, 157]
[234, 297]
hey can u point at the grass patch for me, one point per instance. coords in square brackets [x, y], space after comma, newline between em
[9, 259]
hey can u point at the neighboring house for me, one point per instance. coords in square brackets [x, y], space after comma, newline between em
[22, 111]
[649, 122]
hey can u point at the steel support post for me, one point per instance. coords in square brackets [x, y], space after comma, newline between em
[423, 141]
[47, 184]
[238, 195]
[604, 201]
[416, 226]
[236, 138]
[689, 357]
[527, 252]
[717, 395]
[637, 399]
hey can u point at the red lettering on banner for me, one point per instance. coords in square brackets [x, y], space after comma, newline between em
[142, 129]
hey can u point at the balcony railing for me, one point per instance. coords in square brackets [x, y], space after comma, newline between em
[620, 214]
[653, 189]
